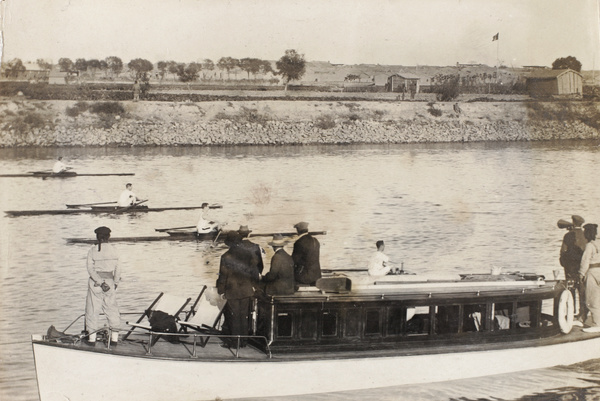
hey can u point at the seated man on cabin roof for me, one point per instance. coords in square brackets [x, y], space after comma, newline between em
[307, 268]
[127, 197]
[379, 264]
[280, 278]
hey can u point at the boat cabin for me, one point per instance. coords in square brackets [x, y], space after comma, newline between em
[393, 315]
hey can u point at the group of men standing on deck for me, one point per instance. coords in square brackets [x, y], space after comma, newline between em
[580, 257]
[240, 278]
[240, 274]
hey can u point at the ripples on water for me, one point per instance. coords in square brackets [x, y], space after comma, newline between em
[442, 210]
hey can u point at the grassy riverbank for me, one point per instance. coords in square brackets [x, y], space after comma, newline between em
[273, 122]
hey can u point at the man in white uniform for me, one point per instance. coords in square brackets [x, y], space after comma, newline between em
[379, 264]
[127, 197]
[205, 226]
[59, 166]
[105, 274]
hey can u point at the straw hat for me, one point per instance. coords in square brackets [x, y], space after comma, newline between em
[277, 240]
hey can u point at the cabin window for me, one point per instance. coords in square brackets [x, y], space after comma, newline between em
[527, 314]
[284, 325]
[308, 324]
[474, 317]
[548, 311]
[395, 322]
[503, 318]
[447, 319]
[330, 320]
[373, 322]
[352, 325]
[417, 321]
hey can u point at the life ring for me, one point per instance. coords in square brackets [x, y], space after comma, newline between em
[566, 310]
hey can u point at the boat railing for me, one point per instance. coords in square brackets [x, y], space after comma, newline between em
[201, 339]
[198, 339]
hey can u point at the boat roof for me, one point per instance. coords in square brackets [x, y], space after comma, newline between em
[413, 287]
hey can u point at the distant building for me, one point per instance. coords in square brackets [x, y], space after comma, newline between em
[554, 82]
[403, 82]
[380, 79]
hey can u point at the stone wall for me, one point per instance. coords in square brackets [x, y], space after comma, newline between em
[30, 123]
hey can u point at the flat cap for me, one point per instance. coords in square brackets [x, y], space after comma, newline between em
[301, 226]
[102, 231]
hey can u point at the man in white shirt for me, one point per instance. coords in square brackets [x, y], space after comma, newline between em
[205, 226]
[127, 197]
[59, 166]
[379, 264]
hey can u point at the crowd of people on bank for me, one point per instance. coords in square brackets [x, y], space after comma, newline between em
[580, 258]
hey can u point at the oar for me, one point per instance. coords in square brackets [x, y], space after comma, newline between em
[216, 238]
[162, 230]
[127, 207]
[89, 204]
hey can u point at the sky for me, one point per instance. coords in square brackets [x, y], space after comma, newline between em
[389, 32]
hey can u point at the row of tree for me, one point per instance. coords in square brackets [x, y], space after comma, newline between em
[290, 66]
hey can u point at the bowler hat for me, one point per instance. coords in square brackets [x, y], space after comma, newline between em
[577, 220]
[277, 240]
[302, 226]
[244, 230]
[102, 231]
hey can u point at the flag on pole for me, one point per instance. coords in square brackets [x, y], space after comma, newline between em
[496, 36]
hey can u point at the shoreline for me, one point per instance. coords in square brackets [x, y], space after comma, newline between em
[58, 123]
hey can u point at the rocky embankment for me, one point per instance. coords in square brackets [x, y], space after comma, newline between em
[64, 123]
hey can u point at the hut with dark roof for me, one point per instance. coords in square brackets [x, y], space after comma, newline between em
[554, 83]
[403, 82]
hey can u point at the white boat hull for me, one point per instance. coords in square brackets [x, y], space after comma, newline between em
[77, 375]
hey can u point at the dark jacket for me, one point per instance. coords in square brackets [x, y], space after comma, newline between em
[280, 279]
[256, 253]
[237, 276]
[574, 243]
[307, 268]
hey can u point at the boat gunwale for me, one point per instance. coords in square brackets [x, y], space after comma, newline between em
[318, 354]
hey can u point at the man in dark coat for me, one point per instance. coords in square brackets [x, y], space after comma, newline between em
[237, 282]
[280, 278]
[254, 249]
[571, 251]
[307, 268]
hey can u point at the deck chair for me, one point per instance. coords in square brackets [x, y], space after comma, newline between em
[205, 315]
[170, 304]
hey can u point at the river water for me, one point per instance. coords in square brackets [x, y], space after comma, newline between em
[442, 209]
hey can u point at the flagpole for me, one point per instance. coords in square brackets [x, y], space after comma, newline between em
[497, 55]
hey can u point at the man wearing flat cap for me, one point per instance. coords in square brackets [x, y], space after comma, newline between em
[307, 269]
[237, 282]
[280, 278]
[571, 251]
[105, 274]
[253, 249]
